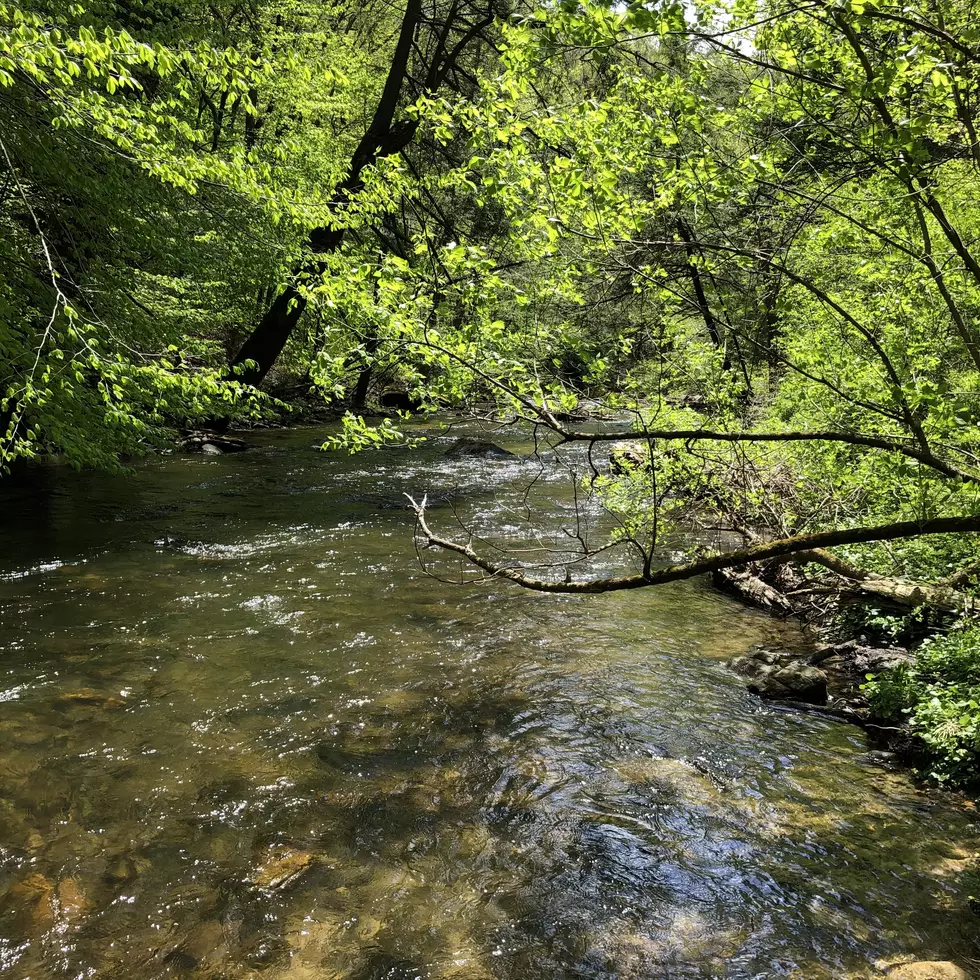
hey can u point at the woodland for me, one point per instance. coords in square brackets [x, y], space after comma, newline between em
[750, 228]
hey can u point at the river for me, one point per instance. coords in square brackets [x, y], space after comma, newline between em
[242, 735]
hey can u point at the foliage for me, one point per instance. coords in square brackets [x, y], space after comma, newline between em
[356, 435]
[747, 226]
[939, 696]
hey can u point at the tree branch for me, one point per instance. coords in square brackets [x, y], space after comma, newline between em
[685, 570]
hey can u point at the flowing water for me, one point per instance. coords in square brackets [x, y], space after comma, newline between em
[243, 735]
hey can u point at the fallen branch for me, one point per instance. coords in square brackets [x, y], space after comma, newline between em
[685, 570]
[755, 590]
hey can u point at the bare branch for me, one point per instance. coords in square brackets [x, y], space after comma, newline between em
[685, 570]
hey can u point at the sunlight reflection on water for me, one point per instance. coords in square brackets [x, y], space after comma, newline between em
[244, 735]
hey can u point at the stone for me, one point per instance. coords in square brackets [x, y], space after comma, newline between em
[858, 659]
[368, 927]
[477, 449]
[281, 867]
[31, 900]
[88, 697]
[72, 902]
[121, 871]
[927, 970]
[212, 444]
[778, 676]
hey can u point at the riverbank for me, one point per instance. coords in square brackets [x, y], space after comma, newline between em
[919, 701]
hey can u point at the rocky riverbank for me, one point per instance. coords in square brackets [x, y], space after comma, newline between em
[830, 681]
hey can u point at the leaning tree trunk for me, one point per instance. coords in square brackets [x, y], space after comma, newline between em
[384, 137]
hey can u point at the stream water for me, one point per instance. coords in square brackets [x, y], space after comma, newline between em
[242, 735]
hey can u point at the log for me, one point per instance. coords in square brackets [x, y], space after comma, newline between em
[911, 595]
[753, 590]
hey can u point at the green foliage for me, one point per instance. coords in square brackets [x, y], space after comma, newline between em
[939, 696]
[356, 434]
[724, 216]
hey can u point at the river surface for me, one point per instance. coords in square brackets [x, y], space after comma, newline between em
[242, 735]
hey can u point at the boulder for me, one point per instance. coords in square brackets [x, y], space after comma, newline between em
[211, 444]
[848, 665]
[854, 657]
[477, 449]
[782, 677]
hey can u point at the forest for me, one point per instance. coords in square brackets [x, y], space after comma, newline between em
[749, 228]
[712, 265]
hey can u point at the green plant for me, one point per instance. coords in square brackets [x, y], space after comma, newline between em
[938, 695]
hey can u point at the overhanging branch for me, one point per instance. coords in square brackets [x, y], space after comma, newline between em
[685, 570]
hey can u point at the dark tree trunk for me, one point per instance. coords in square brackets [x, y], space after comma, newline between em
[359, 395]
[383, 138]
[267, 340]
[700, 296]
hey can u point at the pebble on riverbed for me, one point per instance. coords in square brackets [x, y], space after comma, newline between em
[281, 867]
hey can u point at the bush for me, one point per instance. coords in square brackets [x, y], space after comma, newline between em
[939, 697]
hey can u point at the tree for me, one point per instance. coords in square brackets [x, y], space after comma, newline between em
[429, 54]
[116, 183]
[867, 431]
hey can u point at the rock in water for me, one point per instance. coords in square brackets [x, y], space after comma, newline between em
[88, 697]
[927, 970]
[281, 867]
[772, 675]
[477, 449]
[211, 444]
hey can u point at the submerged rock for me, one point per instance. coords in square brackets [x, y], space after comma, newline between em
[72, 902]
[31, 902]
[88, 697]
[782, 677]
[281, 867]
[927, 970]
[120, 871]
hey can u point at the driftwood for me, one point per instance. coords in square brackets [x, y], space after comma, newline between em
[759, 584]
[912, 595]
[754, 590]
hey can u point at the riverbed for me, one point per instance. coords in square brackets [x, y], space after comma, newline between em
[243, 734]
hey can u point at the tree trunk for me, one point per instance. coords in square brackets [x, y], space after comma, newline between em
[383, 138]
[265, 344]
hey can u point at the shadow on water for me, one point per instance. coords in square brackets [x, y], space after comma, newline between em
[262, 745]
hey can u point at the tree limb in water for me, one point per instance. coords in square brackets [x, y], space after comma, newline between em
[700, 566]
